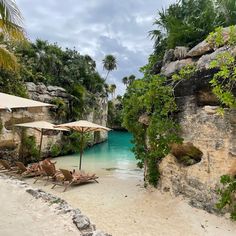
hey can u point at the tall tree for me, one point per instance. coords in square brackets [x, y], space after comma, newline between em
[125, 81]
[113, 90]
[131, 79]
[109, 64]
[11, 29]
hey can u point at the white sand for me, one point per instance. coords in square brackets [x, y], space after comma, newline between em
[23, 215]
[123, 207]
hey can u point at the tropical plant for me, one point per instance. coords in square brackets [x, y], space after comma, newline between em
[112, 90]
[11, 29]
[125, 81]
[109, 64]
[226, 12]
[227, 195]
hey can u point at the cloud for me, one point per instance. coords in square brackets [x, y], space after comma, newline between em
[97, 28]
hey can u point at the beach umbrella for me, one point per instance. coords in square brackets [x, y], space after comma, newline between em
[8, 102]
[83, 126]
[41, 126]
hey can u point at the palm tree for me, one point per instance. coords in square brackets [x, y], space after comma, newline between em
[125, 81]
[131, 79]
[11, 29]
[109, 64]
[113, 90]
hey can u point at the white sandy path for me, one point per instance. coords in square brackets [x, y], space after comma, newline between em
[142, 212]
[23, 215]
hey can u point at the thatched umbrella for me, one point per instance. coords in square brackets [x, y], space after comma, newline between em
[83, 126]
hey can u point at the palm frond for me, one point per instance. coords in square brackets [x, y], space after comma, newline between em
[10, 12]
[7, 60]
[11, 20]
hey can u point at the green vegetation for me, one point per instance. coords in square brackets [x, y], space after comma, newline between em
[109, 64]
[72, 141]
[188, 22]
[114, 118]
[48, 63]
[149, 103]
[186, 154]
[128, 80]
[10, 29]
[29, 151]
[228, 195]
[55, 150]
[153, 97]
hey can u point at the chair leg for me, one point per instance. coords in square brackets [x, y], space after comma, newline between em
[46, 181]
[67, 185]
[37, 179]
[54, 185]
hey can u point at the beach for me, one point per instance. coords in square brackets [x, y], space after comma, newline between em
[122, 206]
[23, 215]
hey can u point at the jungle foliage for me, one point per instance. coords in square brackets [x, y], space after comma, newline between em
[188, 22]
[51, 65]
[153, 97]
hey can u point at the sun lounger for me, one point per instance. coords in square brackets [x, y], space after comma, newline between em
[30, 171]
[75, 179]
[49, 171]
[6, 167]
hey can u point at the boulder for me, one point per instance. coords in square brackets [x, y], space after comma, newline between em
[157, 67]
[168, 56]
[31, 87]
[180, 52]
[205, 47]
[176, 66]
[81, 221]
[204, 62]
[200, 49]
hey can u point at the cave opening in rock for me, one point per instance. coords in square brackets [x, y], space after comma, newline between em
[186, 154]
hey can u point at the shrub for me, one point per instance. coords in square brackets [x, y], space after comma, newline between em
[29, 150]
[55, 150]
[228, 195]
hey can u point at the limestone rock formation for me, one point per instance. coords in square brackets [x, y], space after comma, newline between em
[212, 134]
[10, 137]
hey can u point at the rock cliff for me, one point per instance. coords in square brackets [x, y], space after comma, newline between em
[201, 125]
[10, 136]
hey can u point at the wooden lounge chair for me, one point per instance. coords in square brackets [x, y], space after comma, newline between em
[49, 171]
[31, 171]
[75, 179]
[6, 167]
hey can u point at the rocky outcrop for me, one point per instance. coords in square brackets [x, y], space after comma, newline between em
[212, 134]
[10, 136]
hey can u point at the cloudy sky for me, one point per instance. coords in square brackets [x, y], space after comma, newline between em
[97, 28]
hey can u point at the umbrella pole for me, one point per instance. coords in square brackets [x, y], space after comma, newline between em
[81, 149]
[41, 141]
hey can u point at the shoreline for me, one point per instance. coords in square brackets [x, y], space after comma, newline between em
[119, 206]
[39, 206]
[124, 207]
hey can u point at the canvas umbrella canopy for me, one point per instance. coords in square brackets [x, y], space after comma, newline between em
[41, 126]
[83, 127]
[9, 102]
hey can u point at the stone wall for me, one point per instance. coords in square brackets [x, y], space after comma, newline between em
[10, 136]
[201, 125]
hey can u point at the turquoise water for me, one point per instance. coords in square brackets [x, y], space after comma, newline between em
[111, 157]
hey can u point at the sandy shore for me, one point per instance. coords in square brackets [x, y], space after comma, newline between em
[23, 215]
[123, 207]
